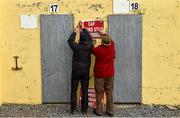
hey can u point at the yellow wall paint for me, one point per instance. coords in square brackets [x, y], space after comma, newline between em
[0, 64]
[19, 86]
[161, 47]
[161, 52]
[0, 71]
[1, 41]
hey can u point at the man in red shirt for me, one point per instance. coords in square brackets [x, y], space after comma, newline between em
[104, 74]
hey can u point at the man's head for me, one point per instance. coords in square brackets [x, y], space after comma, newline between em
[105, 39]
[83, 37]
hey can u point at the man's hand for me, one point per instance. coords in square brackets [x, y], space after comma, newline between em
[101, 32]
[81, 24]
[76, 29]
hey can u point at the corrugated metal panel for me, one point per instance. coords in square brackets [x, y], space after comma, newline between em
[126, 30]
[56, 57]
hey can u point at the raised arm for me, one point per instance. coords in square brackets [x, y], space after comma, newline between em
[90, 42]
[71, 41]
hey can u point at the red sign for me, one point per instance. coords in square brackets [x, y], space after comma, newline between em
[93, 27]
[91, 98]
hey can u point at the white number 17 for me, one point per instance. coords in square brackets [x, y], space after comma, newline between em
[54, 8]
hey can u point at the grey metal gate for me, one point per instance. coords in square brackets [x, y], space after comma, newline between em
[126, 30]
[56, 57]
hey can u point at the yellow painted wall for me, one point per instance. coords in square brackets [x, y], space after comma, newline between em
[1, 41]
[0, 62]
[161, 47]
[19, 86]
[0, 79]
[0, 74]
[161, 52]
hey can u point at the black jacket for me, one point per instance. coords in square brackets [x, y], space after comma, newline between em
[81, 52]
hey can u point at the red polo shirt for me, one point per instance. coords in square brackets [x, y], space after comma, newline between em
[104, 63]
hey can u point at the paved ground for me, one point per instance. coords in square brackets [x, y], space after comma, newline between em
[58, 110]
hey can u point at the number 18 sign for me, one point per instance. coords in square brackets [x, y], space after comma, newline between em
[134, 5]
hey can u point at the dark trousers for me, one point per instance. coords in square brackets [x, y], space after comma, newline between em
[77, 77]
[101, 85]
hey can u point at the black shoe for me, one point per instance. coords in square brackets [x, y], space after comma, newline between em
[73, 111]
[110, 114]
[94, 111]
[84, 111]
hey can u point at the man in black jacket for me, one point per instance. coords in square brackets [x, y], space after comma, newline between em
[80, 67]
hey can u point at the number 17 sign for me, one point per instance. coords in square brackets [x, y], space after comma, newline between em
[93, 27]
[54, 7]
